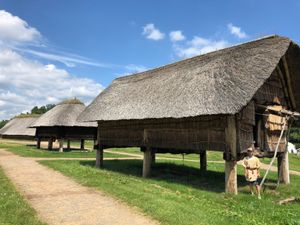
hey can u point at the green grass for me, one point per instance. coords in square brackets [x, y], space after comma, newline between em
[179, 194]
[211, 155]
[32, 151]
[13, 208]
[294, 162]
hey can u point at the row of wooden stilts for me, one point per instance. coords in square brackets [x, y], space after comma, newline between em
[61, 144]
[230, 168]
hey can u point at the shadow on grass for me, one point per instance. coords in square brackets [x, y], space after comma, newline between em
[57, 149]
[212, 181]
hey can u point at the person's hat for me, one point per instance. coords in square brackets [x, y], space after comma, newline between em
[249, 149]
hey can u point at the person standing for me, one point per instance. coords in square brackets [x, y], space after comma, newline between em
[251, 166]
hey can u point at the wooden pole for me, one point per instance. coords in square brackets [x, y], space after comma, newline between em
[153, 156]
[82, 144]
[61, 145]
[38, 143]
[283, 168]
[50, 144]
[230, 164]
[99, 157]
[203, 161]
[147, 162]
[69, 144]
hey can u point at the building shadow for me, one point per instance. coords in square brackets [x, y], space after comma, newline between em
[212, 181]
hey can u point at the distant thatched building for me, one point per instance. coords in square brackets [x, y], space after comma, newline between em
[217, 101]
[19, 128]
[60, 123]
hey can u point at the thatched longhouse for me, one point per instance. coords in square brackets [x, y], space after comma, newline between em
[19, 128]
[217, 101]
[60, 123]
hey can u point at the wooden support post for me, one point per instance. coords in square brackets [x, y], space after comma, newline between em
[38, 143]
[203, 161]
[82, 144]
[69, 145]
[153, 156]
[61, 145]
[147, 162]
[50, 144]
[99, 157]
[230, 164]
[283, 168]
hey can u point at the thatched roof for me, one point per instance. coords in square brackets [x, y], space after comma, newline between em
[19, 127]
[64, 114]
[220, 82]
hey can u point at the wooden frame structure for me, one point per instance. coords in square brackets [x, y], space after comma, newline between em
[60, 123]
[209, 102]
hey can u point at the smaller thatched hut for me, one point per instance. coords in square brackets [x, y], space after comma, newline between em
[60, 123]
[19, 128]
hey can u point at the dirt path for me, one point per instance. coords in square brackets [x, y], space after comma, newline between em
[60, 200]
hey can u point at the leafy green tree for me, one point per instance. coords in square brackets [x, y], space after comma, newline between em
[2, 123]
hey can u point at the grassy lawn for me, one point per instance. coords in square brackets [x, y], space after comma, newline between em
[180, 194]
[13, 209]
[32, 151]
[294, 162]
[211, 155]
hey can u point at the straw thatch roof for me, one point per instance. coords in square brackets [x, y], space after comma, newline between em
[19, 127]
[64, 114]
[220, 82]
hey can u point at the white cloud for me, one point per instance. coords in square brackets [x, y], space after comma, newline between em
[198, 46]
[65, 58]
[176, 36]
[15, 33]
[25, 83]
[151, 32]
[237, 31]
[135, 68]
[14, 30]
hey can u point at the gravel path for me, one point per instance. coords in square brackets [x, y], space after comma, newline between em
[60, 200]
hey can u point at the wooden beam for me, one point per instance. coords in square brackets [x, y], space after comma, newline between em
[230, 164]
[147, 162]
[82, 144]
[61, 145]
[203, 161]
[99, 157]
[283, 168]
[288, 77]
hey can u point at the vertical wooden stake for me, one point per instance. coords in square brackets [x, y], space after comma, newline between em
[68, 144]
[153, 156]
[230, 164]
[38, 143]
[283, 168]
[99, 157]
[203, 161]
[50, 144]
[82, 144]
[231, 177]
[61, 145]
[147, 162]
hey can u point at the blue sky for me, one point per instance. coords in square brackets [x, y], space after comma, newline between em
[65, 49]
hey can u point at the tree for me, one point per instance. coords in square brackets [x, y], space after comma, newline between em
[42, 109]
[2, 123]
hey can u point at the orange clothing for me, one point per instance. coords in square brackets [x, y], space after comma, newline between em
[251, 165]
